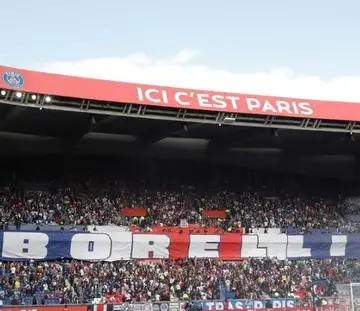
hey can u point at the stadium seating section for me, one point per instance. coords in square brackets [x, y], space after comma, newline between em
[85, 193]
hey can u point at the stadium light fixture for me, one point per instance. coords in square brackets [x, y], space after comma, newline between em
[228, 120]
[33, 97]
[351, 137]
[18, 95]
[275, 133]
[3, 93]
[47, 99]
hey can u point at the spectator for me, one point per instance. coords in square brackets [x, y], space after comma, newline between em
[167, 205]
[164, 280]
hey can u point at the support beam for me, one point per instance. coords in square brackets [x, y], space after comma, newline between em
[12, 115]
[330, 146]
[170, 130]
[220, 145]
[95, 123]
[357, 166]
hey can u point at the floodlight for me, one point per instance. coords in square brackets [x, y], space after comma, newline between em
[48, 99]
[18, 95]
[228, 120]
[3, 93]
[33, 97]
[351, 136]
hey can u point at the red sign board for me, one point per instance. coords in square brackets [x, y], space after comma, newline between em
[191, 229]
[120, 92]
[215, 214]
[134, 212]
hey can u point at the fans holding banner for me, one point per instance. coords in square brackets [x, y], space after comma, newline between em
[113, 246]
[183, 223]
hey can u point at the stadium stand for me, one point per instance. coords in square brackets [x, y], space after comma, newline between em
[77, 282]
[249, 203]
[84, 181]
[82, 203]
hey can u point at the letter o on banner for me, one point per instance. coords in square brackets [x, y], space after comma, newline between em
[85, 246]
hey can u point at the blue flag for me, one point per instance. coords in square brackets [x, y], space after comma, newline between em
[221, 290]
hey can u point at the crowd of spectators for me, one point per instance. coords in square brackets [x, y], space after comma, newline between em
[249, 202]
[93, 202]
[169, 280]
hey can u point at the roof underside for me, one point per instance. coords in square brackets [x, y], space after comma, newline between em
[73, 125]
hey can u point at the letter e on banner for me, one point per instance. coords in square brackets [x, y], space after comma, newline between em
[203, 100]
[25, 245]
[204, 246]
[85, 246]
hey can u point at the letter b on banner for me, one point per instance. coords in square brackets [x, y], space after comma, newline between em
[25, 245]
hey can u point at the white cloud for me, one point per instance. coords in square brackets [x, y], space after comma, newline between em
[185, 69]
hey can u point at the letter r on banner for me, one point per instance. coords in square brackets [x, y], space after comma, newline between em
[25, 245]
[147, 246]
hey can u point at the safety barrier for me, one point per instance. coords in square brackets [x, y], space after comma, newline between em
[312, 304]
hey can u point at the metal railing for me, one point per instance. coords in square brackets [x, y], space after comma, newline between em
[307, 304]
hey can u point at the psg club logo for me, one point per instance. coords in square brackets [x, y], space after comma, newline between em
[13, 79]
[164, 307]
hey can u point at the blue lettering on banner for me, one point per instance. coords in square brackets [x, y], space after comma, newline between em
[240, 304]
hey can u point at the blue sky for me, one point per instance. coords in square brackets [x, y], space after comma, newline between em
[317, 39]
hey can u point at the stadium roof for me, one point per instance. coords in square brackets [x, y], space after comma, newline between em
[40, 115]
